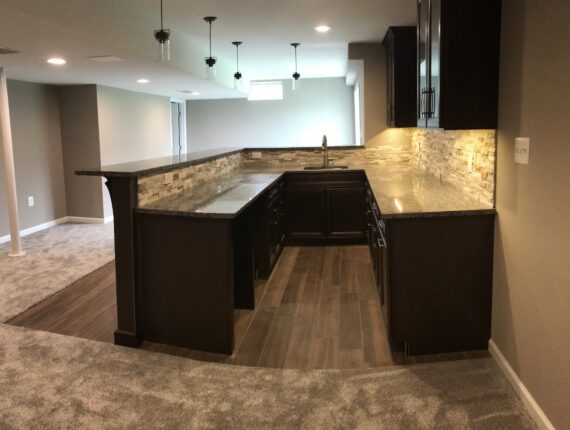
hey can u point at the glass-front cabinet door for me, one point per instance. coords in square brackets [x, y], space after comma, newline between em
[423, 61]
[434, 63]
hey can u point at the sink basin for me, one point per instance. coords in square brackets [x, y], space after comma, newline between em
[325, 168]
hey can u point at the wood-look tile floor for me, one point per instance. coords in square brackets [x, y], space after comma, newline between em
[319, 309]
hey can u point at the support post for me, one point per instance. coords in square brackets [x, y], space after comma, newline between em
[6, 136]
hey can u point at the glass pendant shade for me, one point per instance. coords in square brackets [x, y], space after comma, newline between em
[238, 81]
[210, 68]
[163, 50]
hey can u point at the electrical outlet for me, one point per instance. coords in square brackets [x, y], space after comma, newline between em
[470, 159]
[219, 189]
[31, 201]
[256, 155]
[522, 150]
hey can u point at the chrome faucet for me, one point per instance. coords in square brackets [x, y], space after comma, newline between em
[325, 152]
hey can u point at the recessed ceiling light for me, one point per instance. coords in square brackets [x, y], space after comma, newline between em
[323, 28]
[195, 93]
[56, 61]
[143, 81]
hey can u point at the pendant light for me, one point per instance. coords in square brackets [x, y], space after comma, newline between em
[237, 75]
[296, 75]
[210, 61]
[162, 37]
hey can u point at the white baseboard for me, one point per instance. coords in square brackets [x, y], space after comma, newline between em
[85, 220]
[533, 408]
[36, 228]
[64, 220]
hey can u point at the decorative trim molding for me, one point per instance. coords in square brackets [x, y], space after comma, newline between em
[36, 228]
[533, 408]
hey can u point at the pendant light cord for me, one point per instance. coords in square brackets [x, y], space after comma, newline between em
[161, 21]
[237, 57]
[210, 39]
[295, 59]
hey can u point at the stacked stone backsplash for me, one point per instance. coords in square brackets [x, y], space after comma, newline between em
[156, 187]
[463, 158]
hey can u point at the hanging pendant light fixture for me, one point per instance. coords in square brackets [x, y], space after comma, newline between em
[162, 37]
[238, 83]
[296, 75]
[210, 61]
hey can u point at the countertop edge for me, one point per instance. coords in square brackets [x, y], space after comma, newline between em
[173, 166]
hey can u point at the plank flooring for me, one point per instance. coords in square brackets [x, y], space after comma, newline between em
[319, 309]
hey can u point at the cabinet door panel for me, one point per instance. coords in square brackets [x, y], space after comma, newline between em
[305, 212]
[346, 212]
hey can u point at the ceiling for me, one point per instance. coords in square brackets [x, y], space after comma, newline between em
[77, 29]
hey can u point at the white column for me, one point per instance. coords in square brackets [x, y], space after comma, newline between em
[6, 136]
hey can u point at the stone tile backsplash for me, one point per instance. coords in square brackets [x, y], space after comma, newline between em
[156, 187]
[465, 159]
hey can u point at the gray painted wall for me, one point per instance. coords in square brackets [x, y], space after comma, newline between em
[34, 111]
[531, 281]
[132, 126]
[320, 106]
[80, 139]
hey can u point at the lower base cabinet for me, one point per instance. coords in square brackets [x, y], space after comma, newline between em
[325, 208]
[436, 275]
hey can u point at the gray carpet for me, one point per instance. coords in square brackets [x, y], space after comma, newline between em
[55, 258]
[51, 381]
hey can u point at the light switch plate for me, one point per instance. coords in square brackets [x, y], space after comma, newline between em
[522, 149]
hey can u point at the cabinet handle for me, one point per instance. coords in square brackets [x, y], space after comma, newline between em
[431, 102]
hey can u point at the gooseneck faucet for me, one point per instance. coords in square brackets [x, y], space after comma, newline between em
[325, 152]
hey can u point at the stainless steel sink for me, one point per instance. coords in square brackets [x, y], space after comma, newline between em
[325, 167]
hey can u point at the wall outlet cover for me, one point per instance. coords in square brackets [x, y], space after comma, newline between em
[522, 150]
[31, 201]
[256, 155]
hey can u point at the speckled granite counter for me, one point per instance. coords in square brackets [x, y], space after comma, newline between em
[399, 193]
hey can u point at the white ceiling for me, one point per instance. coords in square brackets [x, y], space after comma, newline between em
[76, 29]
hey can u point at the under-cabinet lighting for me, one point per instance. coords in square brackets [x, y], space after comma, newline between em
[398, 205]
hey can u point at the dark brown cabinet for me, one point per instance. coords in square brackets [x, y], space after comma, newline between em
[400, 45]
[325, 208]
[458, 44]
[270, 230]
[438, 283]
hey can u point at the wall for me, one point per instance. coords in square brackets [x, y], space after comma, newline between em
[80, 139]
[320, 106]
[37, 155]
[132, 126]
[531, 321]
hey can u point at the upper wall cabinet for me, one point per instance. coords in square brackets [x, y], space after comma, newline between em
[458, 63]
[400, 44]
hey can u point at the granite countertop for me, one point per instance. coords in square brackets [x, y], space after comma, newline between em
[399, 194]
[165, 164]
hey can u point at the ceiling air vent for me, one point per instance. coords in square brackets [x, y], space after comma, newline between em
[7, 51]
[105, 59]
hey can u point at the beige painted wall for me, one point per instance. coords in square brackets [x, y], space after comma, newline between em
[38, 158]
[376, 131]
[132, 126]
[80, 138]
[531, 303]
